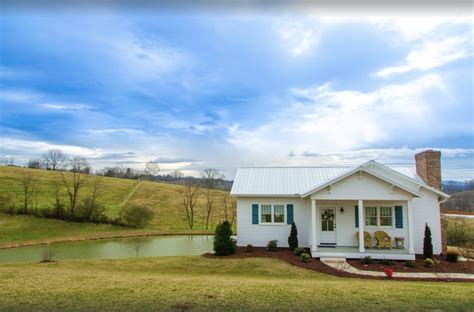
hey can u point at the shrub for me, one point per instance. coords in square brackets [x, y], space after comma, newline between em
[429, 263]
[48, 254]
[410, 264]
[452, 256]
[223, 243]
[458, 233]
[427, 243]
[293, 238]
[249, 248]
[272, 245]
[298, 251]
[367, 260]
[137, 216]
[388, 272]
[305, 257]
[386, 262]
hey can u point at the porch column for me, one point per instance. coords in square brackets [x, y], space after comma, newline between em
[314, 246]
[361, 226]
[411, 243]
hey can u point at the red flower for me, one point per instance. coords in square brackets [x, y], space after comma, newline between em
[388, 272]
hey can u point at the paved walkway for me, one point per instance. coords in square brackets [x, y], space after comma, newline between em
[341, 265]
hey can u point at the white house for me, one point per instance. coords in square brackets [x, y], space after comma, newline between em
[330, 205]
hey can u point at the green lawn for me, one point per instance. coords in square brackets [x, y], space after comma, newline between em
[196, 283]
[15, 229]
[165, 199]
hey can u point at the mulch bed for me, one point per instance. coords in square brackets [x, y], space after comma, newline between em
[313, 264]
[442, 266]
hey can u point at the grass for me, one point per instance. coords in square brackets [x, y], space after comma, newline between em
[196, 283]
[459, 229]
[165, 199]
[14, 229]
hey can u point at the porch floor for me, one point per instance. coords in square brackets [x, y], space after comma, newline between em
[352, 252]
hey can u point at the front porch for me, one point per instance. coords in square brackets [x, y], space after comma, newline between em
[350, 252]
[337, 229]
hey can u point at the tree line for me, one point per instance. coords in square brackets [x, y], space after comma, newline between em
[76, 179]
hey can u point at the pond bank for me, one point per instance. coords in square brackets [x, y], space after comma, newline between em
[97, 237]
[113, 248]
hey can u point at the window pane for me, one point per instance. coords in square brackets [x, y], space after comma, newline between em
[386, 216]
[266, 213]
[330, 225]
[371, 216]
[324, 225]
[279, 213]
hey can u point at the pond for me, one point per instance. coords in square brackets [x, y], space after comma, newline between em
[117, 248]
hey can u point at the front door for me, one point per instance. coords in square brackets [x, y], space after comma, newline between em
[328, 226]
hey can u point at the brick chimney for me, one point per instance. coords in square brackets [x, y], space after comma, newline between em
[428, 167]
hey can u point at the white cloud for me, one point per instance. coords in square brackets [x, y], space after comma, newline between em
[328, 120]
[20, 96]
[67, 106]
[23, 150]
[432, 54]
[413, 28]
[298, 37]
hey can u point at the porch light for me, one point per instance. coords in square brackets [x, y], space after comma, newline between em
[342, 210]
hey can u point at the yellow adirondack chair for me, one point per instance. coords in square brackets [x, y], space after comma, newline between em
[383, 240]
[367, 239]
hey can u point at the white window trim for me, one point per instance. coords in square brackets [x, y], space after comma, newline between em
[392, 207]
[272, 214]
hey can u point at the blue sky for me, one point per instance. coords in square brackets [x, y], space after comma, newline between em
[219, 88]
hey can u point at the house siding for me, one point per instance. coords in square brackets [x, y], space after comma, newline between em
[426, 210]
[259, 234]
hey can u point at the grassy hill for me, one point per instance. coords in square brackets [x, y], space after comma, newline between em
[460, 201]
[197, 284]
[163, 198]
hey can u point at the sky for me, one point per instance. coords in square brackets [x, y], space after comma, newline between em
[196, 88]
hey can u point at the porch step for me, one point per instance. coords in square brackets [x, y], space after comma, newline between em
[336, 263]
[332, 259]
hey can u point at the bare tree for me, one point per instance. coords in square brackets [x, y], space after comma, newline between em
[75, 180]
[90, 209]
[137, 244]
[54, 159]
[177, 175]
[211, 179]
[48, 254]
[29, 185]
[35, 163]
[152, 168]
[58, 205]
[7, 161]
[190, 195]
[229, 207]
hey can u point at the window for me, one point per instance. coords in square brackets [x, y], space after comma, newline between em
[385, 216]
[278, 213]
[266, 214]
[371, 216]
[379, 216]
[272, 213]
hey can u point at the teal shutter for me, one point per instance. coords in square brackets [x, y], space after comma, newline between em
[399, 217]
[254, 213]
[357, 216]
[289, 214]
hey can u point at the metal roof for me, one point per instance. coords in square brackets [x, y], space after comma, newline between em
[295, 181]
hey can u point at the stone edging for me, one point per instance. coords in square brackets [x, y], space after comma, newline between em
[341, 265]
